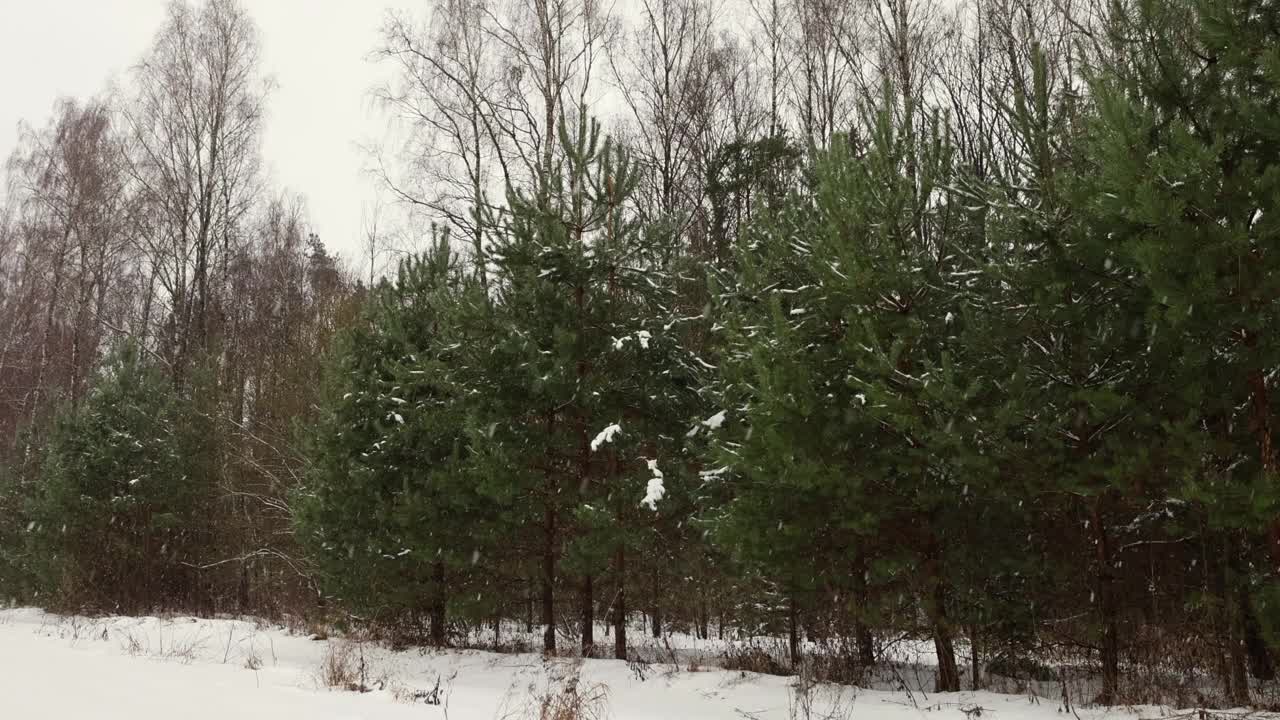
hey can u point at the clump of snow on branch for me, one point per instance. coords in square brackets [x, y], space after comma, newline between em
[605, 436]
[641, 336]
[712, 423]
[655, 490]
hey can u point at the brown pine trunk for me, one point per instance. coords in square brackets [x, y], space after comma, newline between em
[793, 632]
[528, 609]
[1260, 665]
[1260, 420]
[975, 665]
[1222, 618]
[620, 607]
[588, 619]
[948, 679]
[1236, 656]
[1235, 600]
[1110, 653]
[549, 581]
[242, 589]
[438, 603]
[944, 647]
[861, 633]
[704, 621]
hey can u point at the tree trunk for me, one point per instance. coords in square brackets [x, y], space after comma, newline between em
[528, 609]
[975, 664]
[948, 672]
[944, 647]
[1260, 419]
[620, 607]
[1237, 608]
[861, 633]
[1110, 654]
[793, 632]
[1239, 672]
[242, 589]
[549, 581]
[588, 619]
[438, 603]
[1260, 664]
[703, 621]
[1222, 618]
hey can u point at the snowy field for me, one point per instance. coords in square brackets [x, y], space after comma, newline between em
[149, 669]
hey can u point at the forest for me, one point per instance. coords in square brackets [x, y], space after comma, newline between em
[834, 323]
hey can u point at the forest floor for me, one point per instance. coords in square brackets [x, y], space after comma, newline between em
[151, 668]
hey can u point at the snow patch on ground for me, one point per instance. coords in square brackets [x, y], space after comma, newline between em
[152, 668]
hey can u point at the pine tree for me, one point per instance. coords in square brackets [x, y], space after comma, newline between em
[1180, 195]
[117, 517]
[389, 510]
[858, 449]
[583, 390]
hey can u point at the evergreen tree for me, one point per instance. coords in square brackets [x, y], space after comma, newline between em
[1180, 198]
[388, 510]
[583, 391]
[117, 516]
[859, 445]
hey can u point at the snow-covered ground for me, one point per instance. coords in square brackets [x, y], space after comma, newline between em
[151, 668]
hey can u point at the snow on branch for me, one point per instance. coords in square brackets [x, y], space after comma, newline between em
[605, 436]
[655, 490]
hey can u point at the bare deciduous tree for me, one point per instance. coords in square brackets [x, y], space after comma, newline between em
[64, 253]
[195, 127]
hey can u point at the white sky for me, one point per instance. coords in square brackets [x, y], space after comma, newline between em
[315, 49]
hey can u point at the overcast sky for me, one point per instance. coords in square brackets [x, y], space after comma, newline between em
[315, 49]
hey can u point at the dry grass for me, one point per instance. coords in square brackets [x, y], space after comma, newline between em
[343, 667]
[436, 696]
[574, 702]
[184, 649]
[812, 698]
[563, 696]
[252, 661]
[130, 643]
[754, 658]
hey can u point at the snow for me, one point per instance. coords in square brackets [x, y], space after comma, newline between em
[715, 421]
[641, 336]
[655, 489]
[605, 436]
[151, 669]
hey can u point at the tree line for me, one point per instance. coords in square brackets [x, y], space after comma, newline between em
[855, 322]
